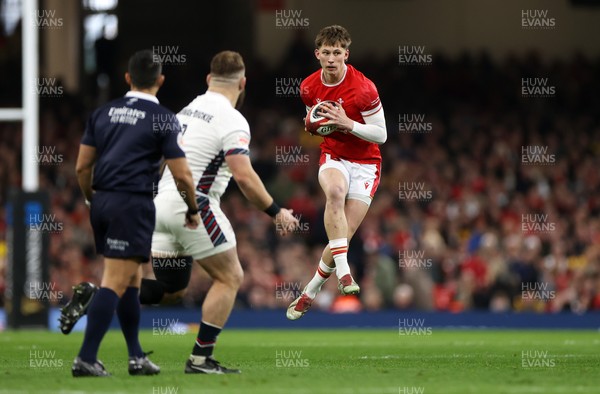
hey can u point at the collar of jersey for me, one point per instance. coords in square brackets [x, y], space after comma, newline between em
[142, 95]
[337, 83]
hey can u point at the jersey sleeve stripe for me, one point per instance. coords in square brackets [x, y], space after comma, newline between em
[372, 111]
[237, 151]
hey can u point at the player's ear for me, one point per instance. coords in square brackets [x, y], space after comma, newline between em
[160, 80]
[317, 53]
[242, 85]
[208, 79]
[347, 54]
[128, 78]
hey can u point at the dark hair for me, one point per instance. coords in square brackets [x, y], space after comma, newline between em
[333, 35]
[144, 69]
[226, 64]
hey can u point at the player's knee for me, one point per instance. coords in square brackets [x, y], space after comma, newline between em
[235, 277]
[238, 277]
[335, 194]
[118, 287]
[118, 284]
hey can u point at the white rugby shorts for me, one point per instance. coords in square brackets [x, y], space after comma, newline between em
[214, 234]
[362, 179]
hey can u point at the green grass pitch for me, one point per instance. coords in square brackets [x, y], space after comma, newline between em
[319, 361]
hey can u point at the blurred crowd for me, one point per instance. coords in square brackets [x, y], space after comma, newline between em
[506, 214]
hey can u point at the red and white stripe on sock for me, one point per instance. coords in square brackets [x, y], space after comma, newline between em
[201, 344]
[339, 251]
[323, 273]
[206, 339]
[324, 270]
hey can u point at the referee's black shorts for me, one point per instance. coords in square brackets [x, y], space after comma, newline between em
[123, 224]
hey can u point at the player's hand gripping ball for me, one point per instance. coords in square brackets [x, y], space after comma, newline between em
[314, 122]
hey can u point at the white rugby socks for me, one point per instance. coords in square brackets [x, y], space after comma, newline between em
[323, 273]
[339, 250]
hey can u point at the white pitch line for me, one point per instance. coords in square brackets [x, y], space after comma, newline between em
[533, 389]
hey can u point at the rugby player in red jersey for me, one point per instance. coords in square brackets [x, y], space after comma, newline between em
[350, 163]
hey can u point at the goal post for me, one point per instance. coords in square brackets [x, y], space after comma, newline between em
[27, 242]
[29, 113]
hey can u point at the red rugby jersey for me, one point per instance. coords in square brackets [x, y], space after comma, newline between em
[358, 96]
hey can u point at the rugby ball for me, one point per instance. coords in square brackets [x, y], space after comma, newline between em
[314, 122]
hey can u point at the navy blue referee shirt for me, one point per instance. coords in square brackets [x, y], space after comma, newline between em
[130, 135]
